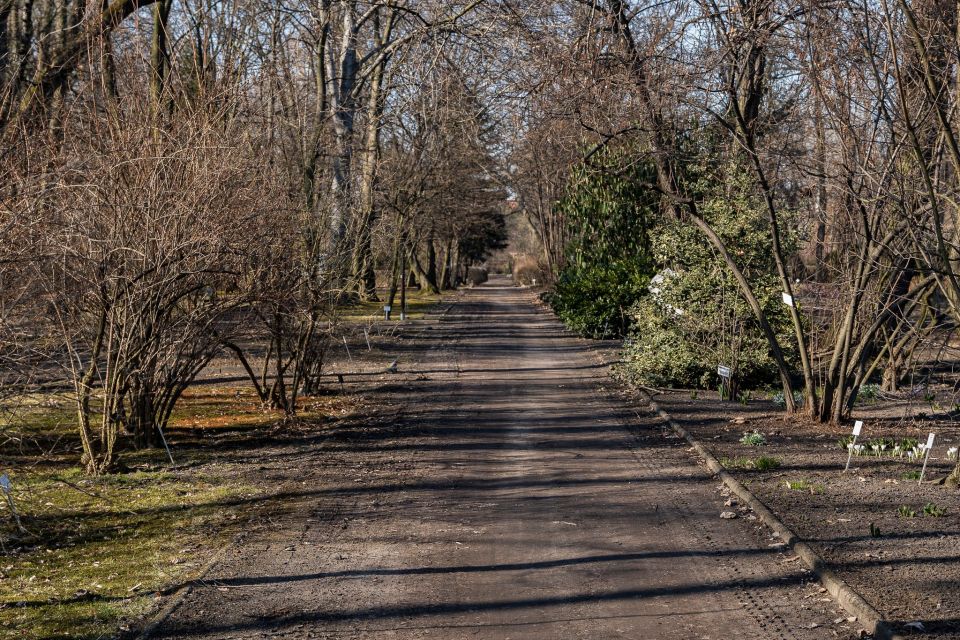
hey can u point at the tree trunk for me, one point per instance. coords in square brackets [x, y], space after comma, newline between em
[159, 59]
[395, 264]
[424, 283]
[363, 271]
[343, 113]
[432, 265]
[445, 267]
[141, 417]
[820, 201]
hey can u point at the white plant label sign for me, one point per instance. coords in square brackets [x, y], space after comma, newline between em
[926, 458]
[787, 299]
[723, 371]
[857, 427]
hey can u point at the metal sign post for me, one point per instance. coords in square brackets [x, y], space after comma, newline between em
[857, 427]
[163, 439]
[926, 458]
[386, 311]
[366, 336]
[345, 346]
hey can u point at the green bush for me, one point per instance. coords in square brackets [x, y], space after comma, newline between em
[656, 354]
[596, 301]
[695, 317]
[609, 209]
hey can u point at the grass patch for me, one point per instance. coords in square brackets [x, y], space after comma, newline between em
[911, 475]
[805, 486]
[762, 463]
[765, 463]
[419, 303]
[37, 422]
[97, 548]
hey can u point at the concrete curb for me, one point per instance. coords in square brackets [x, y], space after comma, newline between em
[846, 597]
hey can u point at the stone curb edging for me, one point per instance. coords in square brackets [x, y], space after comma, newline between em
[844, 594]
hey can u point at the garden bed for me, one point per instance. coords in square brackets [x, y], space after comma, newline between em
[890, 537]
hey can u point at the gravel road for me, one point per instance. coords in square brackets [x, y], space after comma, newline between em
[515, 496]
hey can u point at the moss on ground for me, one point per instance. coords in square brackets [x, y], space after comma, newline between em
[419, 303]
[98, 550]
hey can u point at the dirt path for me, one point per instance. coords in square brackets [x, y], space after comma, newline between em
[512, 499]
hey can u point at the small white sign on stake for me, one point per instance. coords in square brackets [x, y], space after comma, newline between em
[787, 299]
[723, 371]
[926, 457]
[857, 428]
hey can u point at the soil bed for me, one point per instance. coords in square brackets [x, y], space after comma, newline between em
[869, 523]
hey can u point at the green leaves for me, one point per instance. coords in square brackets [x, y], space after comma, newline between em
[695, 317]
[609, 209]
